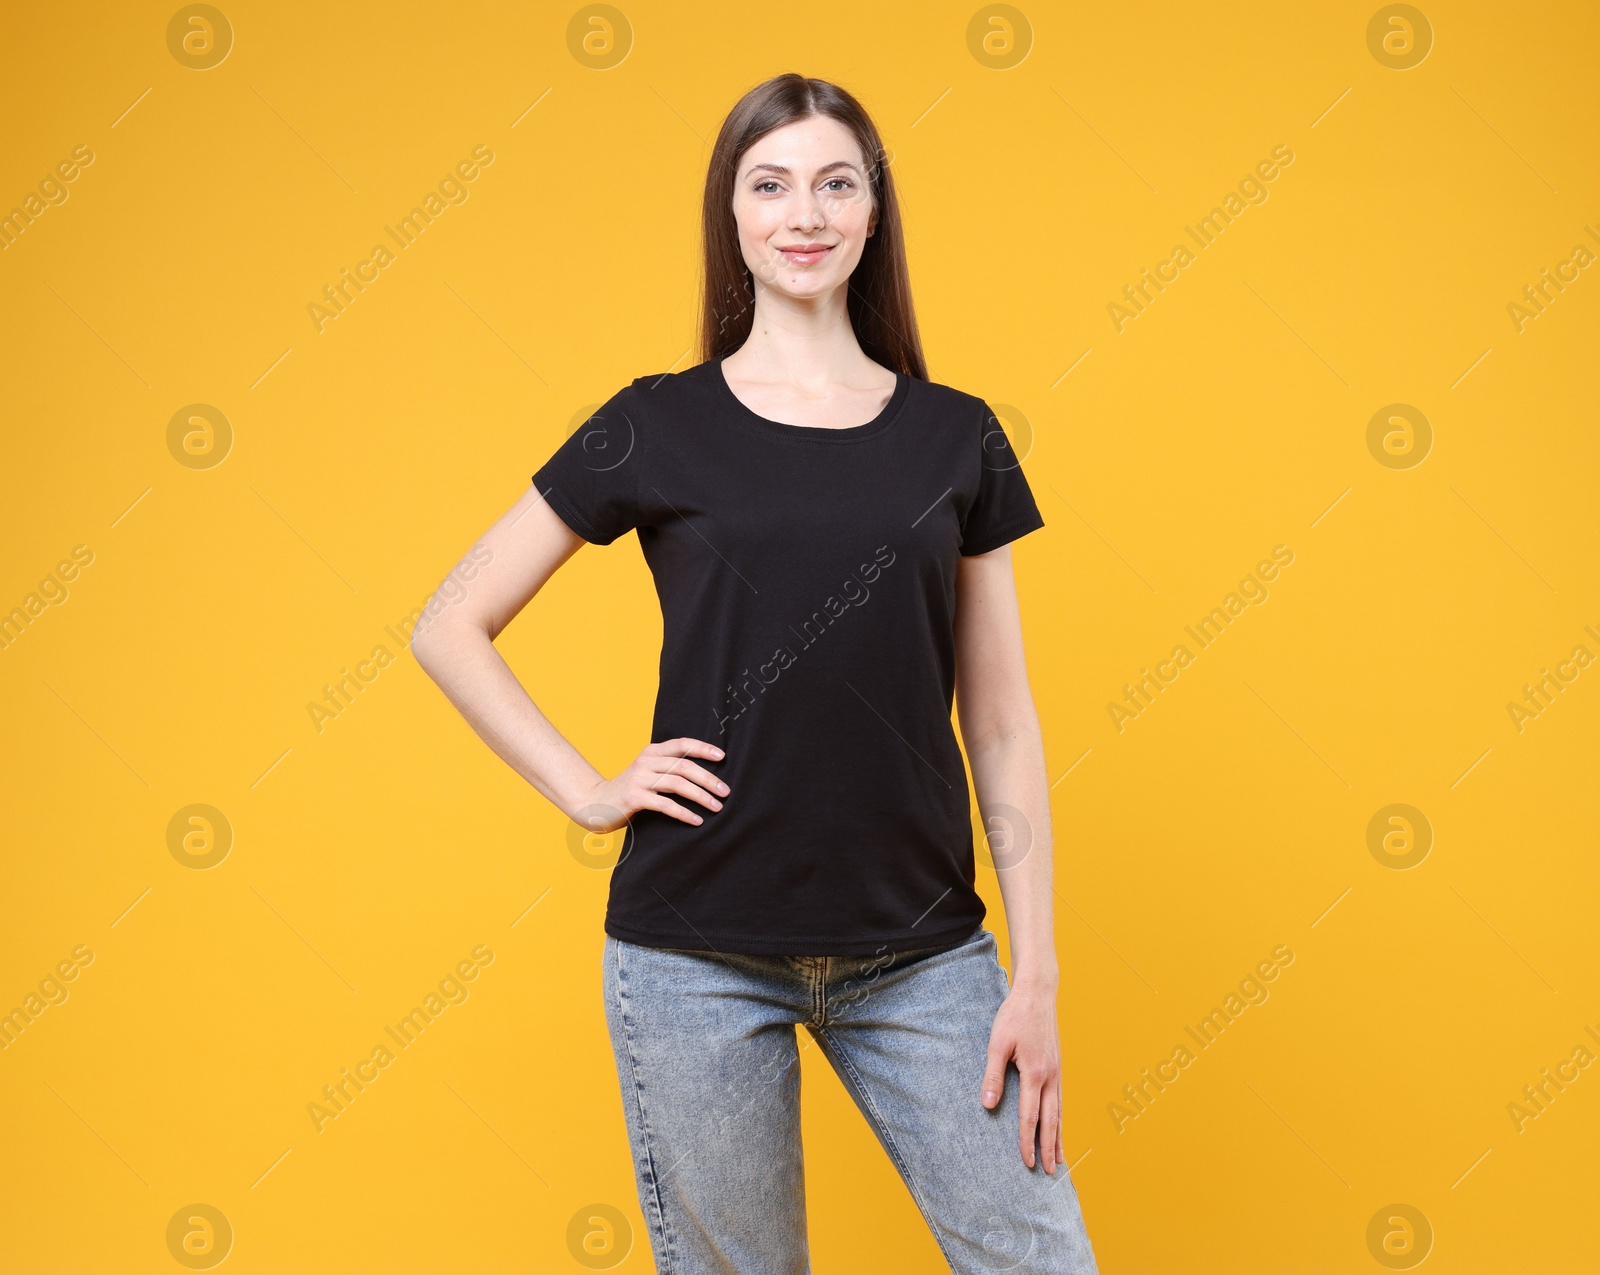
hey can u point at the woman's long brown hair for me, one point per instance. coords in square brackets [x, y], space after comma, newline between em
[879, 301]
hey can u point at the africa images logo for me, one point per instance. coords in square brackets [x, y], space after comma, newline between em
[853, 592]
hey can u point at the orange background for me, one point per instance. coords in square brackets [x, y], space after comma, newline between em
[1045, 156]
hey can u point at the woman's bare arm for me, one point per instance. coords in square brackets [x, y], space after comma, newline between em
[1000, 728]
[454, 644]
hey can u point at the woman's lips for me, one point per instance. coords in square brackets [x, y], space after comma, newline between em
[806, 256]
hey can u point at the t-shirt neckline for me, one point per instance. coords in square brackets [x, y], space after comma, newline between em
[813, 433]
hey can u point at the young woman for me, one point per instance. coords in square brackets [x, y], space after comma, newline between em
[829, 534]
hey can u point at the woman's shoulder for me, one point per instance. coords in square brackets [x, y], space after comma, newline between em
[665, 384]
[660, 396]
[953, 396]
[647, 399]
[958, 408]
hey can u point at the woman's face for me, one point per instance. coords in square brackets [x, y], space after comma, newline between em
[803, 186]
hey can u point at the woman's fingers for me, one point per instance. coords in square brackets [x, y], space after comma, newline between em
[1028, 1113]
[1050, 1126]
[688, 770]
[655, 801]
[671, 757]
[660, 768]
[1024, 1034]
[669, 782]
[685, 746]
[994, 1073]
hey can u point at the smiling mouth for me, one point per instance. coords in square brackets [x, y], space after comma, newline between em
[805, 256]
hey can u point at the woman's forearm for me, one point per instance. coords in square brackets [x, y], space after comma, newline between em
[1008, 771]
[463, 660]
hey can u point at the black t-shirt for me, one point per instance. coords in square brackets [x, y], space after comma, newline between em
[807, 580]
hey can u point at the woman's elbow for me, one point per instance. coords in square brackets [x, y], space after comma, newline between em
[436, 639]
[1014, 718]
[428, 641]
[421, 647]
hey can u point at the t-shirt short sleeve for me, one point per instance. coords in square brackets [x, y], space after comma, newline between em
[1004, 508]
[593, 479]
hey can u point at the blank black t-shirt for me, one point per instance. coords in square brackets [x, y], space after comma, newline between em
[807, 580]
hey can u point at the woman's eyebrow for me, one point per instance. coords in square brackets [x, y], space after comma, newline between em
[779, 168]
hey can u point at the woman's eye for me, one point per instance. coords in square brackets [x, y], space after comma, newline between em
[847, 182]
[761, 186]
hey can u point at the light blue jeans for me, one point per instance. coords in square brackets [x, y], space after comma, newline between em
[708, 1062]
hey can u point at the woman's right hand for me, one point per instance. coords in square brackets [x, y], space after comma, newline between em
[659, 769]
